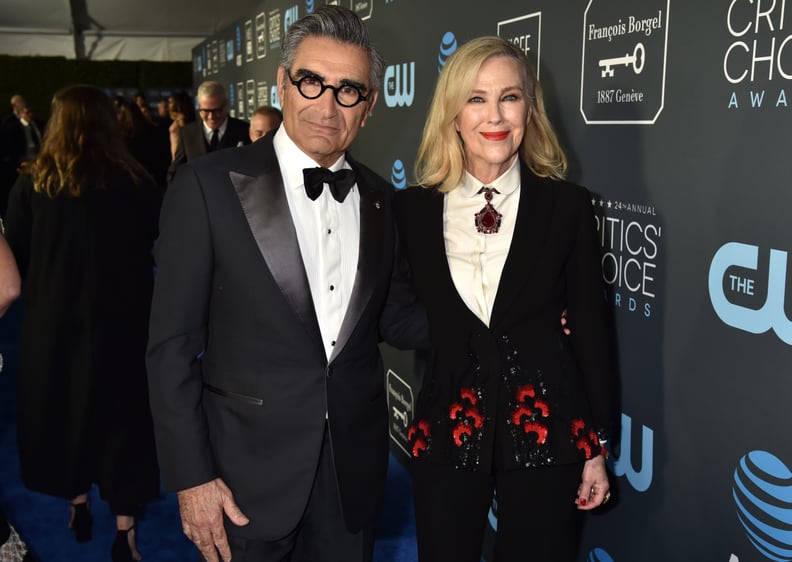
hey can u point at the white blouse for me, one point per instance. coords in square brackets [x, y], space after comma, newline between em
[476, 260]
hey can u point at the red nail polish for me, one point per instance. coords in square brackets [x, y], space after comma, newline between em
[583, 501]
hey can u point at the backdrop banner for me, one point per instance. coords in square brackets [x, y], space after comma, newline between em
[673, 114]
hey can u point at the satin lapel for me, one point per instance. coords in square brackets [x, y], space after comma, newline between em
[372, 235]
[267, 212]
[528, 242]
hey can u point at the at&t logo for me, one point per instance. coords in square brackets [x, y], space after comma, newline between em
[400, 85]
[398, 175]
[447, 47]
[735, 271]
[309, 6]
[761, 492]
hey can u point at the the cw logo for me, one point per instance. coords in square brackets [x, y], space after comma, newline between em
[292, 15]
[771, 314]
[640, 480]
[400, 86]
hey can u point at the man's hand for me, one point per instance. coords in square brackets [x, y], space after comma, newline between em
[201, 509]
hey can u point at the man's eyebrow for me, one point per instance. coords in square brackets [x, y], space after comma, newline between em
[302, 72]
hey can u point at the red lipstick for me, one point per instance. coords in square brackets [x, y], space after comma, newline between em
[497, 136]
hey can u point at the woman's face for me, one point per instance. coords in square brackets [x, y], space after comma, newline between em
[492, 122]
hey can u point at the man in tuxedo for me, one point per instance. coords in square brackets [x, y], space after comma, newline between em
[276, 280]
[214, 130]
[20, 141]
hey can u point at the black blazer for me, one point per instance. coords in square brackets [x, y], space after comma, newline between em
[550, 394]
[192, 142]
[240, 384]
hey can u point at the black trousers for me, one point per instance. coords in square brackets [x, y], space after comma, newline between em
[321, 535]
[537, 518]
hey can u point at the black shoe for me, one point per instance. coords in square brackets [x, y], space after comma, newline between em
[81, 522]
[121, 551]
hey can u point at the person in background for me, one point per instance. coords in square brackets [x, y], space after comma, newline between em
[143, 140]
[215, 129]
[276, 280]
[82, 219]
[20, 140]
[182, 112]
[265, 119]
[511, 408]
[12, 547]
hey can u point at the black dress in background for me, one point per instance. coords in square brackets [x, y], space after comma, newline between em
[82, 401]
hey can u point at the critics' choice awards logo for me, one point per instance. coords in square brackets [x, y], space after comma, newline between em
[525, 33]
[762, 493]
[261, 35]
[748, 293]
[398, 175]
[400, 407]
[631, 241]
[274, 21]
[448, 44]
[757, 61]
[399, 85]
[624, 61]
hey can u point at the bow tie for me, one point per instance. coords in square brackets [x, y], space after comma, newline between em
[340, 182]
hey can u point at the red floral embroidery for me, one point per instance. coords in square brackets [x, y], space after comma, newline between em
[585, 438]
[526, 410]
[421, 432]
[467, 416]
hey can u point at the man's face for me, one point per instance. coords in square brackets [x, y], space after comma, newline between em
[260, 125]
[321, 127]
[213, 110]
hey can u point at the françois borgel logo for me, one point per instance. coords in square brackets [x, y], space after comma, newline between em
[749, 295]
[525, 32]
[631, 240]
[757, 62]
[400, 408]
[622, 78]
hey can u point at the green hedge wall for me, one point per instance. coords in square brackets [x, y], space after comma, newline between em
[37, 78]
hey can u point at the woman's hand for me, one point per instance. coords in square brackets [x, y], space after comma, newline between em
[594, 489]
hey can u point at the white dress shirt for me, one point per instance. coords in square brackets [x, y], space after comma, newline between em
[476, 260]
[208, 131]
[328, 233]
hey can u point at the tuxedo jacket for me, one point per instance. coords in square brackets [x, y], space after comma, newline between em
[240, 385]
[192, 141]
[550, 397]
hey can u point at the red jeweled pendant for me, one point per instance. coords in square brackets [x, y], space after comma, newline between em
[488, 219]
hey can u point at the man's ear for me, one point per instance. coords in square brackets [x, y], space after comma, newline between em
[369, 108]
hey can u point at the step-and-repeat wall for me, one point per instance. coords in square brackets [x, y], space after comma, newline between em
[676, 115]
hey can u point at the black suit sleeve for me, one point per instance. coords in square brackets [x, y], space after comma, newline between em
[178, 334]
[404, 323]
[589, 321]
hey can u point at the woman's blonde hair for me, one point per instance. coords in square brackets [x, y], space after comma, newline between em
[440, 162]
[83, 144]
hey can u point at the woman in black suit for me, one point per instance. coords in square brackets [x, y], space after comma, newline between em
[499, 246]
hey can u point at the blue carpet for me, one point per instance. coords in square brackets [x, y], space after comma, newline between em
[41, 520]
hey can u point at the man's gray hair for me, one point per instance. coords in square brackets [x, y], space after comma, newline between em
[333, 22]
[212, 89]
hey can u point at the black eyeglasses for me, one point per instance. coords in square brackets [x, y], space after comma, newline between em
[215, 111]
[311, 87]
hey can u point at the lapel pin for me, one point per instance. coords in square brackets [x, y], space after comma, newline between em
[377, 205]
